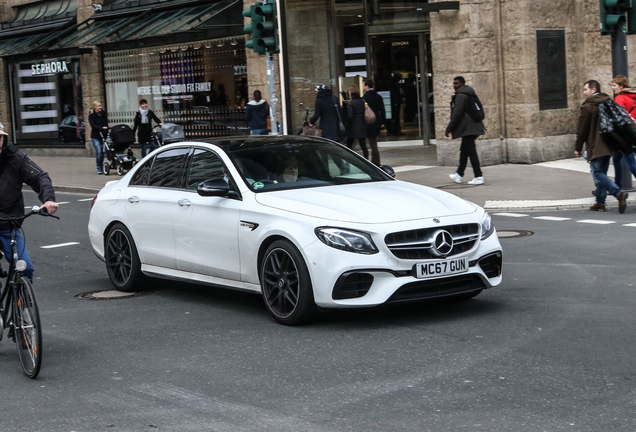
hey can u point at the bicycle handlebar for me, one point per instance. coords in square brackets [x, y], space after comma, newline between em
[34, 210]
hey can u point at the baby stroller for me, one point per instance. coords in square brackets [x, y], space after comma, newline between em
[117, 149]
[170, 133]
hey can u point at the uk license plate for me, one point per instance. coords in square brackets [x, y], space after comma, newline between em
[441, 268]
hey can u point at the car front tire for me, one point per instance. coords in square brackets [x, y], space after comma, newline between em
[286, 285]
[122, 260]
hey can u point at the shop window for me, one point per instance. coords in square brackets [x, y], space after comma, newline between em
[200, 86]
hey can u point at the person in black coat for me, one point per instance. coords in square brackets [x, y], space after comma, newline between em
[376, 103]
[99, 128]
[256, 113]
[143, 122]
[325, 110]
[356, 126]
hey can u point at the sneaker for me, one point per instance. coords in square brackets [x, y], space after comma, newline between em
[455, 177]
[622, 202]
[476, 181]
[598, 208]
[100, 171]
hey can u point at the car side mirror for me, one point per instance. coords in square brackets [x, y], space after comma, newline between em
[387, 169]
[216, 187]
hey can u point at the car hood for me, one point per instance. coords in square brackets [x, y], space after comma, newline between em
[377, 202]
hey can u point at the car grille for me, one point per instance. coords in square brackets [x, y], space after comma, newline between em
[418, 244]
[427, 289]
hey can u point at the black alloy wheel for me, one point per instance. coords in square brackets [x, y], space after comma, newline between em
[286, 285]
[122, 260]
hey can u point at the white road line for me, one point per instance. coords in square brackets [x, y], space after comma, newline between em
[630, 225]
[594, 221]
[510, 214]
[59, 245]
[551, 218]
[404, 168]
[86, 199]
[63, 202]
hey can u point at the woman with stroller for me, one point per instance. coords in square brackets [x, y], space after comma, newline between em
[99, 128]
[143, 121]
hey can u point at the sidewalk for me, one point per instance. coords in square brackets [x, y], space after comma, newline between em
[550, 185]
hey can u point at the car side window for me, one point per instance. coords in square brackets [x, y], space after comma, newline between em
[142, 175]
[204, 165]
[167, 168]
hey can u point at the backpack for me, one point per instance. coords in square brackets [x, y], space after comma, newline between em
[474, 108]
[616, 126]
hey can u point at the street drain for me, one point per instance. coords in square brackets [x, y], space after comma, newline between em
[513, 233]
[110, 295]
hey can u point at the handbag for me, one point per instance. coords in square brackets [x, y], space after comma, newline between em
[369, 115]
[617, 128]
[341, 127]
[311, 130]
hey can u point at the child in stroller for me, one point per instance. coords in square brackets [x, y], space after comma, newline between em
[117, 149]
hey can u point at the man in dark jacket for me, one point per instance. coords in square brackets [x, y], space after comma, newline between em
[376, 103]
[256, 113]
[463, 126]
[143, 122]
[17, 169]
[598, 153]
[325, 109]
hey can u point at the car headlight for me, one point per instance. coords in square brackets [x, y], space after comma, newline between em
[487, 228]
[346, 240]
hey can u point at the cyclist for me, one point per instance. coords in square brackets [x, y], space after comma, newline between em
[17, 169]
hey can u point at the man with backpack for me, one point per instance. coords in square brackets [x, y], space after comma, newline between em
[588, 132]
[466, 123]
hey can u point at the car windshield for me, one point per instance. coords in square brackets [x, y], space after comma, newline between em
[293, 165]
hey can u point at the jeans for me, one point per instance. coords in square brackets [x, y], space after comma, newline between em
[99, 153]
[23, 253]
[363, 145]
[468, 150]
[375, 154]
[151, 144]
[618, 167]
[600, 165]
[259, 132]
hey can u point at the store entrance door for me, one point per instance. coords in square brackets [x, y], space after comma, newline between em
[402, 75]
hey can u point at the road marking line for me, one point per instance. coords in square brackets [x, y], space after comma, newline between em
[595, 221]
[59, 245]
[630, 225]
[510, 214]
[404, 168]
[551, 218]
[86, 199]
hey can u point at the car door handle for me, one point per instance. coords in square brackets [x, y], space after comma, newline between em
[133, 199]
[184, 202]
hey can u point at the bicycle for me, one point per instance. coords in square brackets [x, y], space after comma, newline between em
[18, 306]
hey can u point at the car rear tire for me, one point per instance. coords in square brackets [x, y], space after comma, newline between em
[286, 285]
[122, 260]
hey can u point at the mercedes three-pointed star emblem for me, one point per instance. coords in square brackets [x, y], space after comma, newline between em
[443, 242]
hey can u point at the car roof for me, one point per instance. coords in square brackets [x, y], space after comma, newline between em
[257, 141]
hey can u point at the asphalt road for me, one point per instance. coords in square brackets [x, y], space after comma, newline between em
[551, 349]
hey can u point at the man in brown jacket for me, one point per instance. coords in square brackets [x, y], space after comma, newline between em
[598, 154]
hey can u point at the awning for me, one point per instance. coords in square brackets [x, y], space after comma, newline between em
[161, 21]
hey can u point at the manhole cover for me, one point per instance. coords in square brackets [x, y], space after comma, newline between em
[110, 295]
[513, 233]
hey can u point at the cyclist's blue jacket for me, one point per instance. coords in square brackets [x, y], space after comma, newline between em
[17, 169]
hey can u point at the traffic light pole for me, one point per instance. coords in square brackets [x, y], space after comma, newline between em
[620, 67]
[273, 100]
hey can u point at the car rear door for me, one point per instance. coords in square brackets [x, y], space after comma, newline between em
[206, 228]
[151, 204]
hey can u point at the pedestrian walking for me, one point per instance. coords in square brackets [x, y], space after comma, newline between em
[463, 126]
[376, 103]
[143, 122]
[99, 125]
[625, 97]
[356, 126]
[256, 113]
[325, 110]
[598, 153]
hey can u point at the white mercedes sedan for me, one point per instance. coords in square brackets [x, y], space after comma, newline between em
[305, 221]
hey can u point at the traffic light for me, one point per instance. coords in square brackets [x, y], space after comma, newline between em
[252, 28]
[611, 13]
[268, 27]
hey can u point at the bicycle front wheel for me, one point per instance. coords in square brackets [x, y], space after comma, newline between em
[28, 333]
